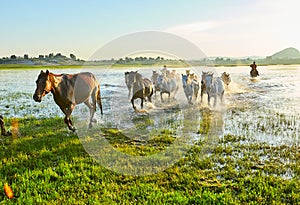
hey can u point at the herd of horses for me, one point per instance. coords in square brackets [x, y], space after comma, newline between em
[168, 82]
[69, 90]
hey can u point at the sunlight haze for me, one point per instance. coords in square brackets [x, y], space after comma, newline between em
[233, 28]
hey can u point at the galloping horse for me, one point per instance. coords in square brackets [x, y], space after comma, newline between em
[203, 87]
[68, 91]
[154, 79]
[167, 85]
[226, 78]
[141, 88]
[214, 87]
[190, 87]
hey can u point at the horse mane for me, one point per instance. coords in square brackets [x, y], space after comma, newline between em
[57, 75]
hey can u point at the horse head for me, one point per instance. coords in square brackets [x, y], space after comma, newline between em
[226, 78]
[184, 79]
[154, 77]
[130, 78]
[160, 79]
[43, 86]
[208, 80]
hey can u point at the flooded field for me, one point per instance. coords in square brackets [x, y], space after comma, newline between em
[265, 109]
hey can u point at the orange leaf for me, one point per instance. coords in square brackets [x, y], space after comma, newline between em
[8, 191]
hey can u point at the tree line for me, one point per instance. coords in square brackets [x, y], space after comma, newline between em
[49, 56]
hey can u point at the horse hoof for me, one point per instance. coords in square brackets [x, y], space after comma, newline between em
[73, 129]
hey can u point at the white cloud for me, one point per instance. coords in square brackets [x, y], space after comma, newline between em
[260, 28]
[191, 28]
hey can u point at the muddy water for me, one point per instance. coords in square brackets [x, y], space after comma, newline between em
[265, 108]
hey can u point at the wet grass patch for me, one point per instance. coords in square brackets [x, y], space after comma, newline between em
[47, 164]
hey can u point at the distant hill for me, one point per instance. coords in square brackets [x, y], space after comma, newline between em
[288, 53]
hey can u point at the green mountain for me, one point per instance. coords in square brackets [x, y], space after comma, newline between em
[288, 53]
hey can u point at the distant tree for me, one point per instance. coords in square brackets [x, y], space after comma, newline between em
[120, 60]
[13, 57]
[51, 55]
[25, 56]
[58, 55]
[72, 56]
[41, 56]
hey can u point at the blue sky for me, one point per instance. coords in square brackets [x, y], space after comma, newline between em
[218, 27]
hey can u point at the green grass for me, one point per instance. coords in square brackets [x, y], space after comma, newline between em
[47, 164]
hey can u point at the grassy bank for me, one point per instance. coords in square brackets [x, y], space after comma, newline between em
[47, 164]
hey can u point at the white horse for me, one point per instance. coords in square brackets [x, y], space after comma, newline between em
[154, 79]
[167, 85]
[214, 87]
[190, 88]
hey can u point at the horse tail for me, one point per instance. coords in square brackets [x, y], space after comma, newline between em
[98, 97]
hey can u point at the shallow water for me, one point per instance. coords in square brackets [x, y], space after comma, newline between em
[265, 108]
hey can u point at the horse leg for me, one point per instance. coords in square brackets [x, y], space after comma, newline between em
[98, 99]
[221, 96]
[196, 90]
[208, 99]
[190, 100]
[149, 98]
[92, 111]
[68, 111]
[129, 93]
[202, 91]
[161, 97]
[142, 102]
[215, 102]
[132, 102]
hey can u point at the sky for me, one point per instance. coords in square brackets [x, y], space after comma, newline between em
[232, 28]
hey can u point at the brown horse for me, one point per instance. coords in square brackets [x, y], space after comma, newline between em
[68, 91]
[141, 88]
[226, 78]
[203, 87]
